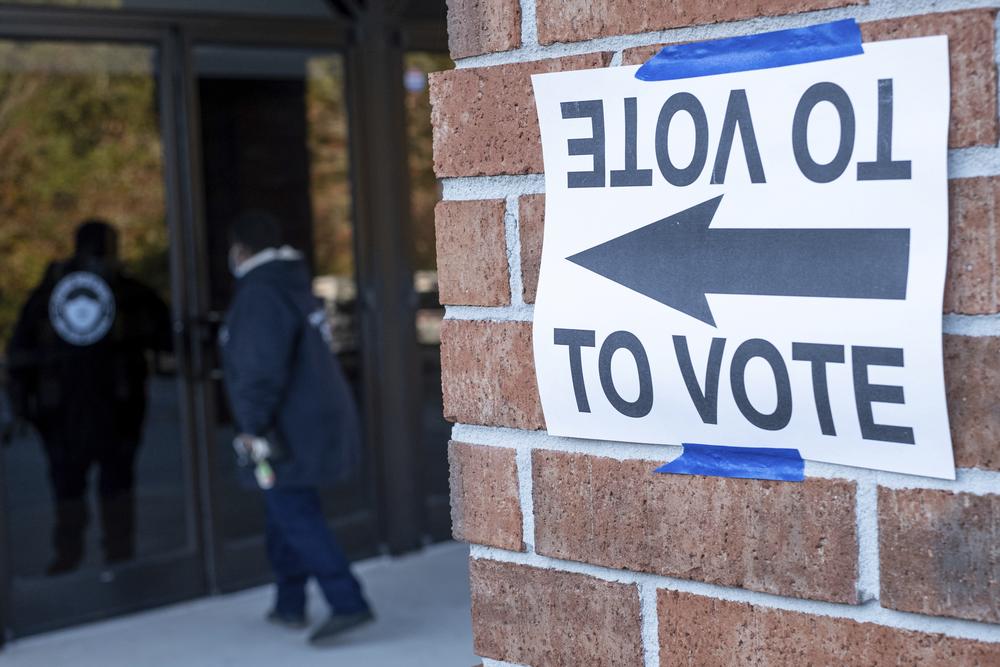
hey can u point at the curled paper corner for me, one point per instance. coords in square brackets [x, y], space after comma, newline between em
[779, 48]
[742, 462]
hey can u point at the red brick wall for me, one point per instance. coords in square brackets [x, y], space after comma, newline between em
[582, 556]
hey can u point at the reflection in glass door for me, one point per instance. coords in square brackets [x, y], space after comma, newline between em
[274, 138]
[97, 493]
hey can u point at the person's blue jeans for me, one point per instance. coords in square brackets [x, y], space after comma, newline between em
[299, 546]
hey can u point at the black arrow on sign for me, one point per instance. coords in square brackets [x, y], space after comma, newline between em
[679, 259]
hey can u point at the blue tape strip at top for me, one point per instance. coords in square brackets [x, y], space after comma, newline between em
[743, 462]
[740, 54]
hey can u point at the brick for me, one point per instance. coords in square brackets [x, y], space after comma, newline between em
[577, 20]
[700, 631]
[488, 374]
[485, 121]
[485, 504]
[637, 55]
[939, 553]
[548, 618]
[472, 252]
[973, 71]
[531, 219]
[972, 378]
[783, 538]
[483, 26]
[971, 285]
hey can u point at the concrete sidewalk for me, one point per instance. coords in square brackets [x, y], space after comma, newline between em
[422, 603]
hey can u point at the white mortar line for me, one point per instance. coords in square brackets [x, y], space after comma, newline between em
[962, 163]
[974, 161]
[514, 313]
[529, 440]
[650, 616]
[969, 480]
[512, 234]
[960, 325]
[972, 325]
[491, 187]
[876, 10]
[952, 324]
[490, 662]
[525, 483]
[866, 613]
[529, 25]
[866, 515]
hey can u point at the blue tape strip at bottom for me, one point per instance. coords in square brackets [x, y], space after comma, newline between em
[740, 54]
[743, 462]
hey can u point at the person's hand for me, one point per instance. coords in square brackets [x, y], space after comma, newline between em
[256, 447]
[243, 446]
[246, 441]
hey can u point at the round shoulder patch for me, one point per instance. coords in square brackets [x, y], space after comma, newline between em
[82, 308]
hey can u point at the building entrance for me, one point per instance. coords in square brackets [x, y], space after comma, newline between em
[128, 143]
[274, 137]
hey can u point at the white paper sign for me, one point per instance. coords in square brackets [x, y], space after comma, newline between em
[752, 259]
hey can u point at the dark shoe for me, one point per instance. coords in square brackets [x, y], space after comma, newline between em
[291, 621]
[338, 624]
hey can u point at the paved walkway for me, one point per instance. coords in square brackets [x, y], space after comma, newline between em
[422, 602]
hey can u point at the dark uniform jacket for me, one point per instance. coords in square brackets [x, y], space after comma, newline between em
[77, 357]
[283, 380]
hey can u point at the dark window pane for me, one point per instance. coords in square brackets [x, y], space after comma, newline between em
[94, 467]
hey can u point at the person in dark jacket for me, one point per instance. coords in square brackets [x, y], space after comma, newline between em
[78, 370]
[286, 389]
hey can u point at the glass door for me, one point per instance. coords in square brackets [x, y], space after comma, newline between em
[274, 137]
[98, 500]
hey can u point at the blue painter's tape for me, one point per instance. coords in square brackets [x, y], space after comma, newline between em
[745, 462]
[740, 54]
